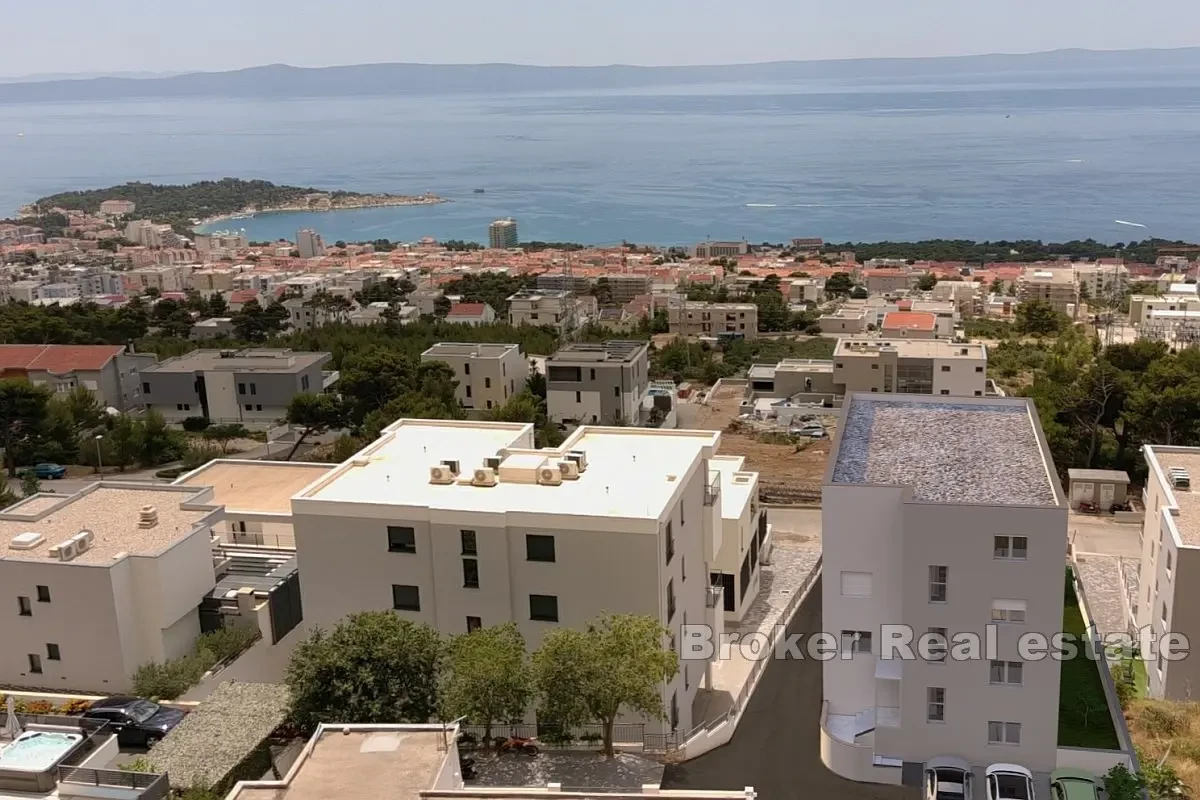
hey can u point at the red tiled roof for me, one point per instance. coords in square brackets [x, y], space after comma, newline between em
[58, 359]
[243, 296]
[466, 310]
[909, 320]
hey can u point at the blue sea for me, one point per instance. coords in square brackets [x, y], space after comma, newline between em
[1023, 155]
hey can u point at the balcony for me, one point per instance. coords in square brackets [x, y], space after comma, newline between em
[110, 783]
[715, 597]
[712, 490]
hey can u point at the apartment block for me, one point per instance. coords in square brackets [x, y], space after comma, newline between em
[562, 282]
[164, 279]
[107, 371]
[309, 244]
[117, 208]
[471, 314]
[720, 249]
[543, 307]
[946, 518]
[713, 319]
[488, 374]
[886, 281]
[603, 383]
[910, 324]
[1101, 280]
[1166, 600]
[910, 366]
[252, 386]
[846, 320]
[502, 234]
[745, 535]
[1056, 286]
[806, 290]
[626, 286]
[465, 524]
[1152, 310]
[209, 281]
[101, 582]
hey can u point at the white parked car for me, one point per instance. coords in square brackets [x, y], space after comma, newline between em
[948, 778]
[1009, 782]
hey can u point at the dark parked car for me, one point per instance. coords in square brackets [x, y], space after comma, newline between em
[44, 471]
[136, 722]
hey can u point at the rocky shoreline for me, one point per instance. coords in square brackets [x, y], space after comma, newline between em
[329, 203]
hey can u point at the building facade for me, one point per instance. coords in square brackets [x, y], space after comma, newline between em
[488, 374]
[107, 371]
[597, 383]
[720, 249]
[713, 319]
[543, 307]
[947, 520]
[906, 366]
[309, 243]
[252, 387]
[1055, 286]
[502, 234]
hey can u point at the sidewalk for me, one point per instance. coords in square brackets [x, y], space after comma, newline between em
[793, 558]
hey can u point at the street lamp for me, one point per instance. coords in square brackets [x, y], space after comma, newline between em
[99, 459]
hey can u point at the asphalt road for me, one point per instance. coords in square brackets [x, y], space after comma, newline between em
[777, 746]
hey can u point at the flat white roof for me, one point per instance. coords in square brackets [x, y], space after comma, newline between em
[631, 472]
[737, 485]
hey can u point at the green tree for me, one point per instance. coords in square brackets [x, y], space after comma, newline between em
[7, 497]
[158, 443]
[839, 284]
[997, 286]
[253, 323]
[373, 668]
[602, 291]
[1039, 318]
[926, 282]
[30, 483]
[314, 415]
[22, 409]
[488, 677]
[222, 435]
[217, 307]
[441, 307]
[125, 442]
[619, 661]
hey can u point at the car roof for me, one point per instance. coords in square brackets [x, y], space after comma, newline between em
[1015, 769]
[948, 762]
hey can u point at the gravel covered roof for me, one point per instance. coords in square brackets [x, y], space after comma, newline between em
[949, 452]
[223, 730]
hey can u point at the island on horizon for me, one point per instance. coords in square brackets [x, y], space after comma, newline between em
[187, 206]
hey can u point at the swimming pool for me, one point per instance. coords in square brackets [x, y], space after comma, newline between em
[38, 751]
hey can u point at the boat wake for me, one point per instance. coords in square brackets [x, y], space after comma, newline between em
[761, 205]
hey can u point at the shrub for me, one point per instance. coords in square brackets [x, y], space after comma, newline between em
[198, 454]
[1121, 784]
[139, 764]
[1124, 683]
[557, 738]
[170, 679]
[1162, 720]
[73, 707]
[195, 424]
[170, 473]
[591, 738]
[39, 707]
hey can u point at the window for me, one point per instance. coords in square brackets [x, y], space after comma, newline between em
[23, 607]
[487, 383]
[543, 608]
[1014, 547]
[938, 644]
[593, 374]
[670, 543]
[1006, 672]
[474, 623]
[406, 598]
[468, 391]
[674, 711]
[258, 407]
[401, 540]
[978, 393]
[945, 367]
[856, 584]
[1164, 612]
[35, 663]
[241, 388]
[43, 594]
[304, 383]
[1168, 563]
[979, 369]
[466, 369]
[470, 547]
[489, 403]
[471, 573]
[53, 653]
[1008, 611]
[253, 388]
[683, 569]
[874, 366]
[249, 407]
[938, 577]
[945, 391]
[579, 397]
[145, 388]
[670, 600]
[856, 642]
[539, 548]
[1004, 733]
[935, 697]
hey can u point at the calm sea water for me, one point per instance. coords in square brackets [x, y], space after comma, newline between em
[1051, 156]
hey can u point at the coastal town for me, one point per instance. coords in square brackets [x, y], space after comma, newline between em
[517, 484]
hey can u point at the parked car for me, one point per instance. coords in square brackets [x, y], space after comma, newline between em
[1009, 782]
[47, 471]
[1074, 784]
[136, 722]
[948, 778]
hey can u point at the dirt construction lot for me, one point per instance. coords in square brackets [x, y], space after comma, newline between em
[785, 465]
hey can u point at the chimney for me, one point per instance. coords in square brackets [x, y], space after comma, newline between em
[148, 517]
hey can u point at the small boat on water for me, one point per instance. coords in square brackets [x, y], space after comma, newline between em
[479, 191]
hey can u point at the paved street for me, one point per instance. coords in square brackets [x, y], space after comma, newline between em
[777, 745]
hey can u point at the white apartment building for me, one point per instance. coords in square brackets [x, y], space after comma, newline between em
[309, 244]
[104, 581]
[910, 366]
[1147, 310]
[488, 374]
[464, 524]
[806, 290]
[1056, 286]
[745, 535]
[712, 319]
[1101, 281]
[946, 517]
[543, 307]
[1167, 594]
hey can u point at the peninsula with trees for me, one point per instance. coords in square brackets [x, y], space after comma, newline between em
[185, 206]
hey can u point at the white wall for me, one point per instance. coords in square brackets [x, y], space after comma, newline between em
[222, 395]
[962, 380]
[561, 405]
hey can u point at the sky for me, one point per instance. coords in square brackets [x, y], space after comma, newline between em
[105, 36]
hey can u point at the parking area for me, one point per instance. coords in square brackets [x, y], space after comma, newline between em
[777, 745]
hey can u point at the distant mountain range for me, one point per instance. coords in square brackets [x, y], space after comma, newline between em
[281, 81]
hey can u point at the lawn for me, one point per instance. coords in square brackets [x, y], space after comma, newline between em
[1083, 718]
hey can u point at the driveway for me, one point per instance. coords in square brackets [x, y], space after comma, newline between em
[777, 746]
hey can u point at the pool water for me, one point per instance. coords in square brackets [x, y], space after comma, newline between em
[38, 750]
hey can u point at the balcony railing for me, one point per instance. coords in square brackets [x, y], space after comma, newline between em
[715, 597]
[712, 491]
[152, 786]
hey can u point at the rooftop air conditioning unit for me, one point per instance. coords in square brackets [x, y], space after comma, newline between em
[580, 458]
[569, 470]
[484, 476]
[549, 476]
[441, 474]
[83, 541]
[65, 551]
[492, 463]
[1180, 478]
[452, 466]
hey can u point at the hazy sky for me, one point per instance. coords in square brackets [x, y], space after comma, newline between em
[185, 35]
